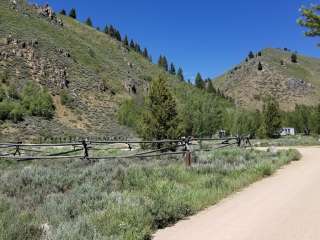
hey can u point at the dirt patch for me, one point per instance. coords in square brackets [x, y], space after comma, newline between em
[67, 117]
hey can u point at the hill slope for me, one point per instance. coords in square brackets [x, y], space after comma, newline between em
[93, 71]
[290, 83]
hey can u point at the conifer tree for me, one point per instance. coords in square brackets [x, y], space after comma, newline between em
[145, 53]
[132, 44]
[112, 31]
[272, 118]
[180, 74]
[199, 81]
[251, 55]
[89, 22]
[310, 19]
[73, 13]
[294, 58]
[210, 88]
[165, 64]
[137, 48]
[106, 29]
[126, 41]
[117, 35]
[172, 69]
[160, 120]
[63, 12]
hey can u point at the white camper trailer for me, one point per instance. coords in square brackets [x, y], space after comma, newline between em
[288, 132]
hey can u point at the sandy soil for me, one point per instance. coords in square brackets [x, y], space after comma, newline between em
[285, 206]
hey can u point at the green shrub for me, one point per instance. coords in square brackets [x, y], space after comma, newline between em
[17, 225]
[16, 113]
[37, 101]
[5, 109]
[65, 98]
[129, 114]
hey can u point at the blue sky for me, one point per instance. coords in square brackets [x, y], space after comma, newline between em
[207, 36]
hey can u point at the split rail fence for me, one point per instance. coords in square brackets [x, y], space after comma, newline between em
[85, 149]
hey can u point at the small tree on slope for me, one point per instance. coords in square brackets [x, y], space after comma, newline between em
[160, 119]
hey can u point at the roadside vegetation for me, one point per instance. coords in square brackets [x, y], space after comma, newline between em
[121, 199]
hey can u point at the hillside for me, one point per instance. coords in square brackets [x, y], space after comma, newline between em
[290, 83]
[92, 71]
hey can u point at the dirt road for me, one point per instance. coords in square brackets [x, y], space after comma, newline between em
[285, 206]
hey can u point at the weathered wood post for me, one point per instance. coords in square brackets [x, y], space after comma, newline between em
[188, 153]
[85, 150]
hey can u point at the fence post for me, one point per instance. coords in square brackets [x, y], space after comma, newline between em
[86, 150]
[188, 154]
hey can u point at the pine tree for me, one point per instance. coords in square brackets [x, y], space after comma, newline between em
[251, 55]
[165, 64]
[160, 120]
[145, 53]
[132, 44]
[260, 67]
[89, 22]
[272, 118]
[117, 35]
[137, 48]
[180, 74]
[73, 13]
[310, 19]
[199, 81]
[126, 41]
[210, 88]
[294, 58]
[259, 54]
[172, 69]
[63, 12]
[106, 29]
[112, 31]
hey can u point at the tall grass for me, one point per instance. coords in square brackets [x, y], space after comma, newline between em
[121, 199]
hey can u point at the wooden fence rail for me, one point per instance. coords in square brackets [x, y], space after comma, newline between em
[170, 147]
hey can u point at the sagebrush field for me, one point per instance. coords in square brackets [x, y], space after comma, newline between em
[121, 199]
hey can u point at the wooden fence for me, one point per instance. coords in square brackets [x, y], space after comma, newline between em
[84, 149]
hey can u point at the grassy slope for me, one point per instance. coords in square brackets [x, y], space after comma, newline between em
[95, 58]
[120, 199]
[247, 86]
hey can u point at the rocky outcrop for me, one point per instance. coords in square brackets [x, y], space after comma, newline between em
[47, 71]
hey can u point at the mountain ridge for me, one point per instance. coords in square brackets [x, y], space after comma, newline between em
[290, 83]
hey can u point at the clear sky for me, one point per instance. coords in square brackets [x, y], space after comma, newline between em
[207, 36]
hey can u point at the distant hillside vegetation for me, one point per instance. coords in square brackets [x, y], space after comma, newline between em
[83, 74]
[290, 78]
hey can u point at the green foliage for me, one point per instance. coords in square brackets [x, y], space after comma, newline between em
[121, 200]
[250, 55]
[180, 74]
[63, 12]
[199, 82]
[310, 19]
[37, 101]
[89, 22]
[129, 114]
[160, 120]
[294, 58]
[73, 13]
[172, 69]
[271, 117]
[163, 63]
[65, 98]
[210, 88]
